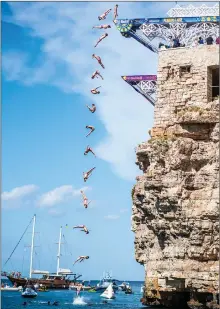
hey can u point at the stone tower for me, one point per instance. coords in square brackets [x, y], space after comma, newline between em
[176, 200]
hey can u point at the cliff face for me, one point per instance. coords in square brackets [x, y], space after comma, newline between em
[176, 200]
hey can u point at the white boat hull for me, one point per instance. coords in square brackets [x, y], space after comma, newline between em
[107, 297]
[29, 293]
[11, 289]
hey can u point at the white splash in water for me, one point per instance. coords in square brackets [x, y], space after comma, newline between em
[79, 301]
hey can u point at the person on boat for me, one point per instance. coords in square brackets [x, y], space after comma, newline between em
[92, 109]
[102, 27]
[116, 11]
[96, 74]
[83, 227]
[88, 149]
[103, 16]
[81, 258]
[98, 59]
[95, 91]
[2, 286]
[102, 37]
[86, 175]
[91, 128]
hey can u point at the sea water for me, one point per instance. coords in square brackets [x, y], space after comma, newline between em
[68, 299]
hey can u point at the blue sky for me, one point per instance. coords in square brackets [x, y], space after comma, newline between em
[47, 65]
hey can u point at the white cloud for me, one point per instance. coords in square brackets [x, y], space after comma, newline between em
[19, 192]
[65, 30]
[14, 64]
[112, 217]
[59, 195]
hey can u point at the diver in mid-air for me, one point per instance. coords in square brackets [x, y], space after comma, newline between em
[81, 258]
[95, 91]
[116, 11]
[101, 38]
[83, 227]
[99, 60]
[104, 15]
[86, 175]
[85, 200]
[96, 74]
[92, 109]
[88, 149]
[91, 128]
[102, 27]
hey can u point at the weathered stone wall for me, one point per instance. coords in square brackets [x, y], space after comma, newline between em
[175, 89]
[176, 200]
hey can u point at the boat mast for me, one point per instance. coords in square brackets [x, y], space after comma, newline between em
[58, 255]
[32, 246]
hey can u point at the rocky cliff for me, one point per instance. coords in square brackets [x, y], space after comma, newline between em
[176, 199]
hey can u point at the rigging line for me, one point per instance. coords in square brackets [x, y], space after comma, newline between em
[40, 251]
[18, 243]
[63, 241]
[67, 245]
[22, 269]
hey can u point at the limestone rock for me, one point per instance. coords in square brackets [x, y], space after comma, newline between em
[176, 200]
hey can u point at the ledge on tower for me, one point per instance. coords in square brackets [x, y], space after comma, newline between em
[143, 84]
[186, 24]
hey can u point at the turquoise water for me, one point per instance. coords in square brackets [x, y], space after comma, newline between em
[67, 299]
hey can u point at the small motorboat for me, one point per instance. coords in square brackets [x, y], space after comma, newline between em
[105, 282]
[83, 288]
[11, 289]
[92, 291]
[128, 291]
[43, 289]
[29, 293]
[122, 287]
[109, 292]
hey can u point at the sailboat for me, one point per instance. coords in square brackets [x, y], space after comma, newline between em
[105, 281]
[109, 292]
[58, 280]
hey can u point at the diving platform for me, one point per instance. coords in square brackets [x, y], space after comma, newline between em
[185, 23]
[143, 84]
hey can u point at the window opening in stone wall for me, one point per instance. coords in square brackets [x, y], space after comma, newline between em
[215, 83]
[185, 69]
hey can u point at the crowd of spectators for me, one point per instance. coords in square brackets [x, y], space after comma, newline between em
[175, 42]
